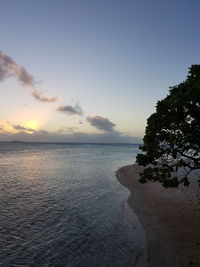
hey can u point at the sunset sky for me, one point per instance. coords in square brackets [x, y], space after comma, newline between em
[91, 70]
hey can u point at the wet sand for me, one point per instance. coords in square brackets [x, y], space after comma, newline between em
[170, 217]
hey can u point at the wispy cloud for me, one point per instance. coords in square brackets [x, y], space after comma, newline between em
[40, 97]
[71, 110]
[9, 68]
[101, 123]
[21, 128]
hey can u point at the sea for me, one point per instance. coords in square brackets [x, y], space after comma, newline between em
[61, 205]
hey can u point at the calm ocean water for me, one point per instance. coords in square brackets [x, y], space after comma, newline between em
[61, 205]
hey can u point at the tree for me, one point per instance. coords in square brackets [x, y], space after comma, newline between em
[172, 136]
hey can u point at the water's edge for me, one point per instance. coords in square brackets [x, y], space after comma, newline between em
[142, 258]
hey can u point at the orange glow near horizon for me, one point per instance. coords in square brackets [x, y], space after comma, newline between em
[7, 127]
[33, 119]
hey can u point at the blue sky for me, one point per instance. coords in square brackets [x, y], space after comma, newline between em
[113, 59]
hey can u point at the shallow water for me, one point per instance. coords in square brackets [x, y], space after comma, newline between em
[61, 205]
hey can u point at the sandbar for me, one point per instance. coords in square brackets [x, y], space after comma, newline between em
[170, 217]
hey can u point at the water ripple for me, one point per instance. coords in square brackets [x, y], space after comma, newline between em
[62, 206]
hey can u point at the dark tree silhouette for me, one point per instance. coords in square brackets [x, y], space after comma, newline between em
[172, 137]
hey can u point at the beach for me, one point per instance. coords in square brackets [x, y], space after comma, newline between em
[170, 217]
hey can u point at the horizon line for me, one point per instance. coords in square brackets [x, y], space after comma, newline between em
[92, 143]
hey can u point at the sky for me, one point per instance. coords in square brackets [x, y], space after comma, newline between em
[91, 70]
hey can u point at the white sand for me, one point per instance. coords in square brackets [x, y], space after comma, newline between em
[170, 217]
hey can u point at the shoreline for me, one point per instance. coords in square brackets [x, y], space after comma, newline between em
[170, 217]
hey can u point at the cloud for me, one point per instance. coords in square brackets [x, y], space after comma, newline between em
[71, 110]
[65, 130]
[71, 129]
[101, 123]
[76, 137]
[9, 68]
[1, 127]
[64, 134]
[40, 97]
[21, 128]
[42, 132]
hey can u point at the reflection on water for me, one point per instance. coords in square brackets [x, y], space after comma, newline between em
[61, 205]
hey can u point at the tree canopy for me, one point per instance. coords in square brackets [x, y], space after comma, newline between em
[172, 136]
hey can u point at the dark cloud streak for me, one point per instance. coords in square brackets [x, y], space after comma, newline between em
[21, 128]
[101, 123]
[40, 97]
[9, 68]
[70, 110]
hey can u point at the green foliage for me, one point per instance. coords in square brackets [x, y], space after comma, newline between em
[172, 137]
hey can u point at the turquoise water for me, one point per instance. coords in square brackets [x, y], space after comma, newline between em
[61, 205]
